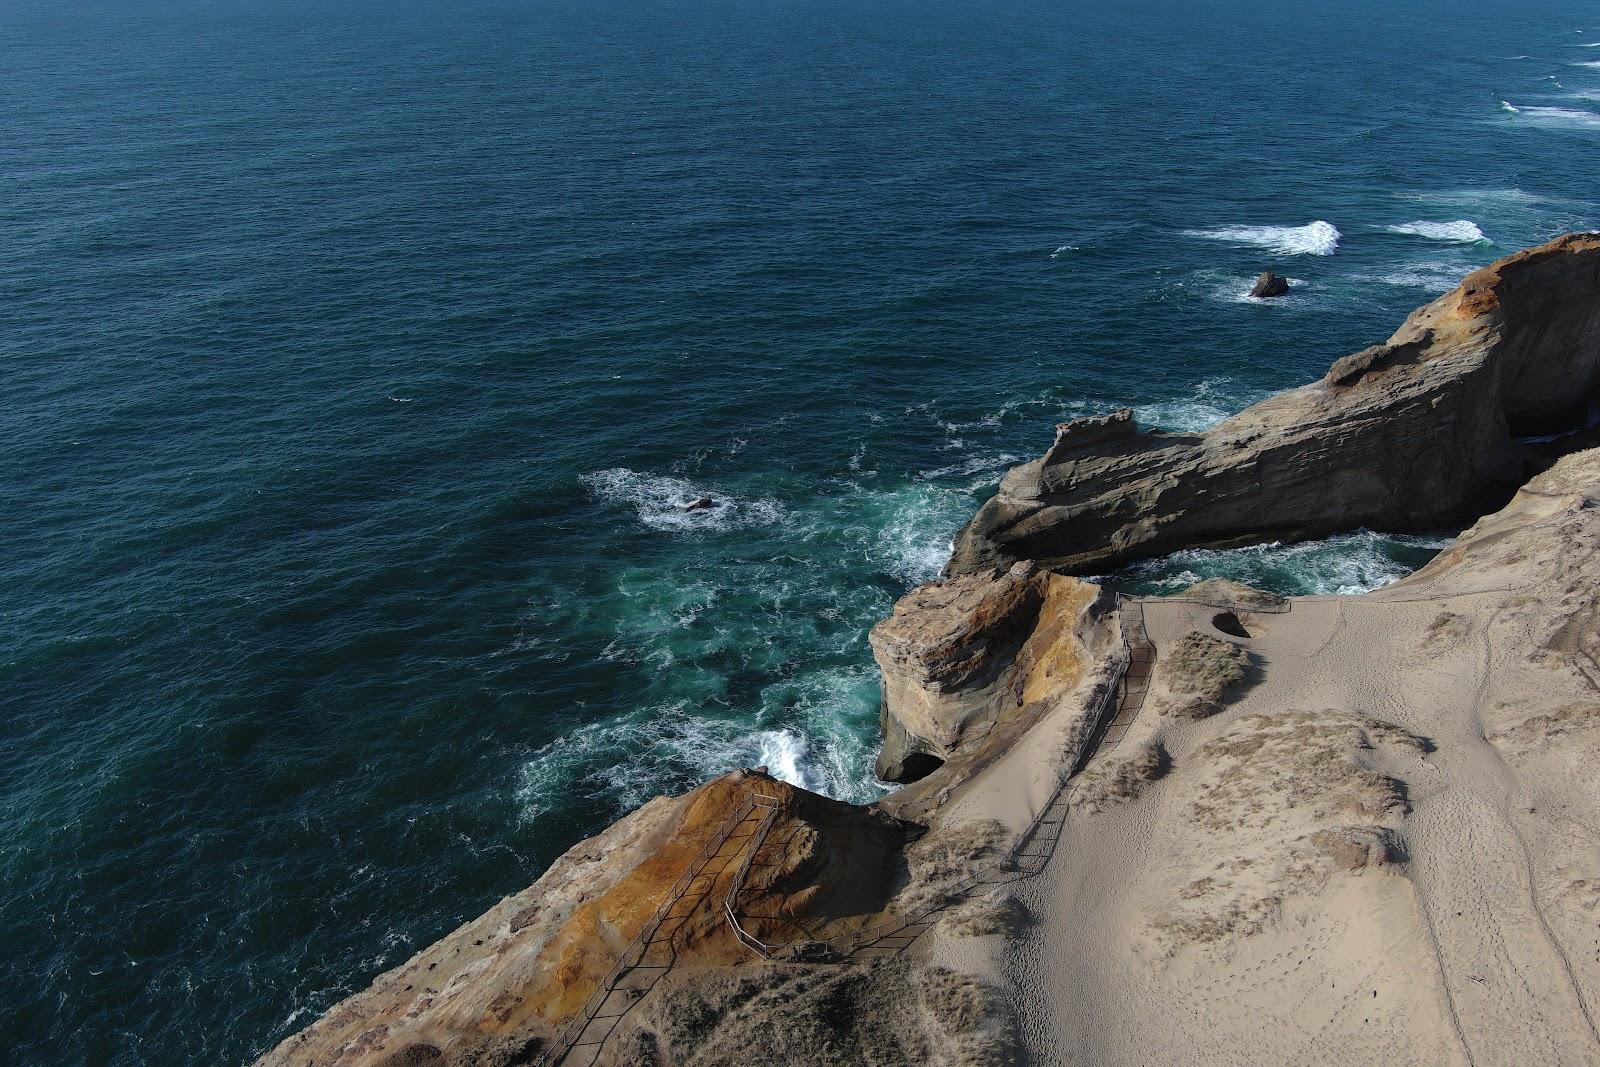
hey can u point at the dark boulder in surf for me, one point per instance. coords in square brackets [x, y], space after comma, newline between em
[1269, 285]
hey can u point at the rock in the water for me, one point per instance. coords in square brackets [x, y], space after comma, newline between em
[700, 503]
[1268, 285]
[1408, 435]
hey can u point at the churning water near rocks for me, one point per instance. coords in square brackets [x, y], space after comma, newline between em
[362, 358]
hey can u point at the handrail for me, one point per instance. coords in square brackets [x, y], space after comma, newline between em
[569, 1034]
[756, 841]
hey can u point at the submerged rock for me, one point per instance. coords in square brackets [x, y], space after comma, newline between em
[1269, 285]
[699, 503]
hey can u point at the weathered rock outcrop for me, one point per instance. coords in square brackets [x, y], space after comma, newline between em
[496, 990]
[1410, 434]
[961, 656]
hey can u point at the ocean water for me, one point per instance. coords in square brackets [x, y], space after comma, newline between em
[358, 358]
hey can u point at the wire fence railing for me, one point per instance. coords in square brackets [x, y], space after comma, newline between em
[633, 956]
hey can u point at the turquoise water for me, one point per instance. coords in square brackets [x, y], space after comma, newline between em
[357, 358]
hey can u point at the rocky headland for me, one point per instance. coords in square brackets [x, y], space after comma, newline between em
[1221, 827]
[1425, 429]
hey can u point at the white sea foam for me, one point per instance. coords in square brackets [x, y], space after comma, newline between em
[915, 527]
[1063, 248]
[666, 746]
[1345, 565]
[661, 502]
[1212, 401]
[991, 466]
[1313, 239]
[782, 753]
[1595, 63]
[1435, 276]
[1506, 105]
[1460, 230]
[825, 746]
[1558, 117]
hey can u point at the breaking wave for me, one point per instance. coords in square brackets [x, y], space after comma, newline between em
[1314, 239]
[1567, 117]
[1461, 230]
[622, 762]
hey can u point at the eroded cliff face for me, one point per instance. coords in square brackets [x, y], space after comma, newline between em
[498, 989]
[962, 656]
[1407, 435]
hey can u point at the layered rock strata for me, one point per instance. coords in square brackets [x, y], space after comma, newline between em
[961, 656]
[497, 990]
[1419, 431]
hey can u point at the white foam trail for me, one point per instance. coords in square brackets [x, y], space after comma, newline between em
[1313, 239]
[1591, 64]
[1506, 105]
[1557, 116]
[1212, 401]
[661, 502]
[1063, 248]
[1460, 230]
[1345, 565]
[1434, 276]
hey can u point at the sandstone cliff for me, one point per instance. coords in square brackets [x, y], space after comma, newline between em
[1416, 432]
[962, 657]
[499, 989]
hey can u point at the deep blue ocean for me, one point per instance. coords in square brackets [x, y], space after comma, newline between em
[357, 357]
